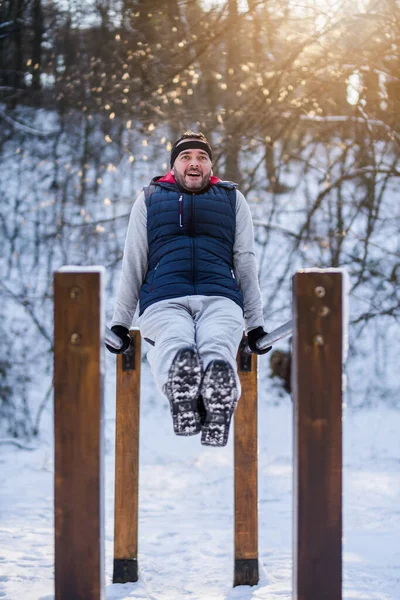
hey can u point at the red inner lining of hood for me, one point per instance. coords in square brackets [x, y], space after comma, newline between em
[169, 178]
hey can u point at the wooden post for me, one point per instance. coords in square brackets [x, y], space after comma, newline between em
[78, 416]
[127, 463]
[246, 491]
[317, 395]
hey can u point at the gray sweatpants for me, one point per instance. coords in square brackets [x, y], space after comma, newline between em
[212, 324]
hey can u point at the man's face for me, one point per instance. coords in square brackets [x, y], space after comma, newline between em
[192, 169]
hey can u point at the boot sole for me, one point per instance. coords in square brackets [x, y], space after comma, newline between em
[220, 395]
[182, 390]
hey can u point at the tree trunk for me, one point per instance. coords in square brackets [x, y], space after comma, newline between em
[37, 45]
[232, 141]
[16, 62]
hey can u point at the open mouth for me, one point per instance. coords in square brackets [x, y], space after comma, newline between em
[193, 174]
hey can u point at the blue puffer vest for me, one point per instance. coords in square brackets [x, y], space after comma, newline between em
[190, 239]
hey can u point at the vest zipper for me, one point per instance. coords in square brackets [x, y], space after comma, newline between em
[152, 277]
[194, 273]
[181, 211]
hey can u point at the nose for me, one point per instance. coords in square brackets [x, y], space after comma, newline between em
[194, 164]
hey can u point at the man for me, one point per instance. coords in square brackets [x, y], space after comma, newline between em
[190, 267]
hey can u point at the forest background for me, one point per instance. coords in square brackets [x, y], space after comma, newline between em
[301, 103]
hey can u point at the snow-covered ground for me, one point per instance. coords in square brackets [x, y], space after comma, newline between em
[186, 507]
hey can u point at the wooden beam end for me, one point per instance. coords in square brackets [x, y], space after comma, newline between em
[125, 570]
[246, 571]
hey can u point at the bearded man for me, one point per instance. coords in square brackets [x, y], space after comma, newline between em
[189, 269]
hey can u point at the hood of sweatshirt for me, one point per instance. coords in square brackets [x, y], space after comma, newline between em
[169, 178]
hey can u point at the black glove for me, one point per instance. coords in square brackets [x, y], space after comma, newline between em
[123, 334]
[253, 336]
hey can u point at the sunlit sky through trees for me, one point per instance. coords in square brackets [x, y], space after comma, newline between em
[322, 19]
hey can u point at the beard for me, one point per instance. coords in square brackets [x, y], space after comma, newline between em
[193, 184]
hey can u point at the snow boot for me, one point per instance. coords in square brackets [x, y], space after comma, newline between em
[182, 391]
[220, 393]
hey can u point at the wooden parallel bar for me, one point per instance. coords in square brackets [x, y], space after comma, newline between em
[317, 396]
[246, 570]
[127, 463]
[78, 422]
